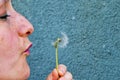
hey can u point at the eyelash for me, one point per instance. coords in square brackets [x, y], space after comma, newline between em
[5, 16]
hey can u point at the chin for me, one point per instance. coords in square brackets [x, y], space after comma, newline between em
[22, 69]
[18, 69]
[15, 75]
[25, 75]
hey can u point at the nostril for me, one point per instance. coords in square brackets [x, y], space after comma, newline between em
[28, 32]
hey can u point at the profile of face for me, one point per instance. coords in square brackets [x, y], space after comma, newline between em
[14, 43]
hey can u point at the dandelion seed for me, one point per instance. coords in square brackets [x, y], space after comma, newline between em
[73, 18]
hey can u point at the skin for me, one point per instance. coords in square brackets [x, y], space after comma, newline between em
[14, 32]
[61, 74]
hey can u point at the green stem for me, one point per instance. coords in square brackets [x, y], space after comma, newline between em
[57, 57]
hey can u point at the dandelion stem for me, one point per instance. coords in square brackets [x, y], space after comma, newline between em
[57, 57]
[56, 53]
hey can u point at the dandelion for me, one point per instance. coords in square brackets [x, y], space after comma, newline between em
[60, 42]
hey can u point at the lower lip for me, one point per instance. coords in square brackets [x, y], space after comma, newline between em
[27, 52]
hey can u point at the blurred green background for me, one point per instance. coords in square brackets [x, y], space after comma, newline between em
[93, 29]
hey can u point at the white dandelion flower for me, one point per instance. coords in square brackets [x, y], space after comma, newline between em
[64, 41]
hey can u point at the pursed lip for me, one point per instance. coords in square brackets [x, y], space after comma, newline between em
[27, 49]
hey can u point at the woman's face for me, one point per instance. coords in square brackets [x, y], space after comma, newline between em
[14, 43]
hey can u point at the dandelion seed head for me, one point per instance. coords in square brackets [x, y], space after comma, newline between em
[64, 41]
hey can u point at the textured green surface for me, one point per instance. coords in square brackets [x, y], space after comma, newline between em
[93, 29]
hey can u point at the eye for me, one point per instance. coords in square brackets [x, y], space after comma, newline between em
[4, 16]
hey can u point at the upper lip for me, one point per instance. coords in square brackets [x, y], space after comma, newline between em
[28, 48]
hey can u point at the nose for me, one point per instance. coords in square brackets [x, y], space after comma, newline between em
[25, 28]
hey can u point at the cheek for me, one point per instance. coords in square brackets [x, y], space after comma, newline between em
[8, 50]
[9, 41]
[8, 44]
[6, 39]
